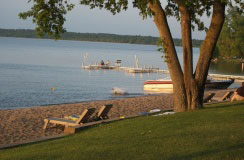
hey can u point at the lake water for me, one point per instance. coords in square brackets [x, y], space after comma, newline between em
[29, 68]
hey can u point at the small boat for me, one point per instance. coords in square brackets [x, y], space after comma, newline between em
[167, 84]
[158, 84]
[218, 84]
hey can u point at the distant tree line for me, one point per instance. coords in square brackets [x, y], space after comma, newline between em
[231, 41]
[93, 37]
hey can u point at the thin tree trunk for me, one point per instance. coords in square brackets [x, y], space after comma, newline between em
[180, 101]
[190, 84]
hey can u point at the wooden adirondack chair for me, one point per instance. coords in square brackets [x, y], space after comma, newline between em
[208, 98]
[103, 112]
[226, 96]
[83, 118]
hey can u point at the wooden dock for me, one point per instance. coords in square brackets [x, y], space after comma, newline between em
[153, 70]
[97, 67]
[126, 69]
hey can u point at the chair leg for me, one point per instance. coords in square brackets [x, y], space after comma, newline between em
[45, 124]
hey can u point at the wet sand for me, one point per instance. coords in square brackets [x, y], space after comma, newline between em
[26, 124]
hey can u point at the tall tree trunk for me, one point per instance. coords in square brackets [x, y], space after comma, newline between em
[176, 74]
[188, 87]
[190, 84]
[206, 51]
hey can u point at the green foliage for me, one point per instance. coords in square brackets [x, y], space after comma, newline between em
[216, 132]
[196, 9]
[162, 47]
[114, 6]
[93, 37]
[48, 15]
[231, 41]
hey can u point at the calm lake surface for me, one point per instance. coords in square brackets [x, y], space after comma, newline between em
[29, 68]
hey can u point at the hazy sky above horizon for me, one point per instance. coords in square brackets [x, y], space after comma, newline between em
[84, 20]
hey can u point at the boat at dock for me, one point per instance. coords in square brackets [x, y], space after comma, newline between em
[162, 84]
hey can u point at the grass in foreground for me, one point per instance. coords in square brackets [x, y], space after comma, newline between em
[216, 132]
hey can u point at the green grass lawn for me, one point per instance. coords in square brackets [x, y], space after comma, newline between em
[215, 132]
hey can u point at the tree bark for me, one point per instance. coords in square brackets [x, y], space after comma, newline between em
[188, 88]
[190, 84]
[206, 51]
[176, 74]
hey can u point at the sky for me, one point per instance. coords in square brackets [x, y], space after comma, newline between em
[84, 20]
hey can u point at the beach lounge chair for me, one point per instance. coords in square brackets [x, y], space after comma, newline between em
[100, 117]
[102, 114]
[83, 118]
[208, 98]
[226, 96]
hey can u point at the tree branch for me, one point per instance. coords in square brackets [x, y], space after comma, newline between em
[186, 41]
[210, 41]
[166, 37]
[187, 52]
[174, 67]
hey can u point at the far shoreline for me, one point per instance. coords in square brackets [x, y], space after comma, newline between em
[95, 37]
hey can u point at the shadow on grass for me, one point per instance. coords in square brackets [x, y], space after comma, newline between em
[223, 105]
[208, 152]
[31, 142]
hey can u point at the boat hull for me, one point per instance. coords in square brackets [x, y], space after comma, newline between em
[219, 84]
[158, 84]
[161, 84]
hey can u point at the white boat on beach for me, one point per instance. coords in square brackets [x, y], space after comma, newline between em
[158, 84]
[162, 84]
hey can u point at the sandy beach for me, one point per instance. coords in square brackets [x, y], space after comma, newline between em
[26, 124]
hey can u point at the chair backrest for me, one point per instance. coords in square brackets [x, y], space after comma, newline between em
[85, 115]
[208, 98]
[226, 96]
[103, 111]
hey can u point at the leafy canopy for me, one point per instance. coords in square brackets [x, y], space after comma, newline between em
[231, 41]
[49, 15]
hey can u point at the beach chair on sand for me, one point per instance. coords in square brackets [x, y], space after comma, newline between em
[226, 96]
[102, 114]
[208, 98]
[83, 118]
